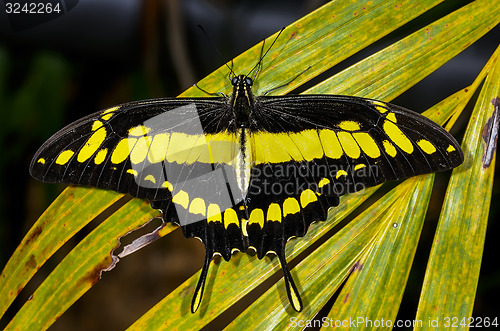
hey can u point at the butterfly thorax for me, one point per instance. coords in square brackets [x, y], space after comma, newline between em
[242, 100]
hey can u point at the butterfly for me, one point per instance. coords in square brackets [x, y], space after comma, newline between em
[245, 172]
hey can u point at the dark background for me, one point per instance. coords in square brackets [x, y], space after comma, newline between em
[99, 53]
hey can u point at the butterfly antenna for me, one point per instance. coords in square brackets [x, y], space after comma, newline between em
[217, 50]
[263, 56]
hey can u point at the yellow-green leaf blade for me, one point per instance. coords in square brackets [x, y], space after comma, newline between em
[80, 269]
[375, 288]
[453, 270]
[57, 224]
[405, 64]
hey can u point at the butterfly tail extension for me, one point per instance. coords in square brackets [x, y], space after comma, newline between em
[200, 287]
[291, 288]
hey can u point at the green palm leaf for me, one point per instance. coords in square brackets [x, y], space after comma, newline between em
[371, 255]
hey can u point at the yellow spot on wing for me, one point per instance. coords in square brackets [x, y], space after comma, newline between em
[168, 185]
[426, 146]
[221, 148]
[323, 182]
[158, 149]
[214, 213]
[331, 144]
[290, 206]
[197, 297]
[306, 197]
[274, 148]
[450, 149]
[367, 144]
[199, 150]
[398, 137]
[181, 145]
[150, 178]
[295, 299]
[197, 206]
[349, 126]
[359, 166]
[42, 160]
[140, 150]
[132, 172]
[91, 146]
[101, 156]
[257, 217]
[389, 148]
[96, 125]
[380, 106]
[64, 157]
[274, 213]
[139, 130]
[392, 117]
[181, 198]
[309, 144]
[122, 150]
[230, 216]
[341, 173]
[106, 115]
[349, 145]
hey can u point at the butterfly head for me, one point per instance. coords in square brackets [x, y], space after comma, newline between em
[241, 81]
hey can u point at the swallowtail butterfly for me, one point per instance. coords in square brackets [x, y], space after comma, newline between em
[245, 171]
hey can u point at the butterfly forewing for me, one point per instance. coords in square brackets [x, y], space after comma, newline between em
[123, 148]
